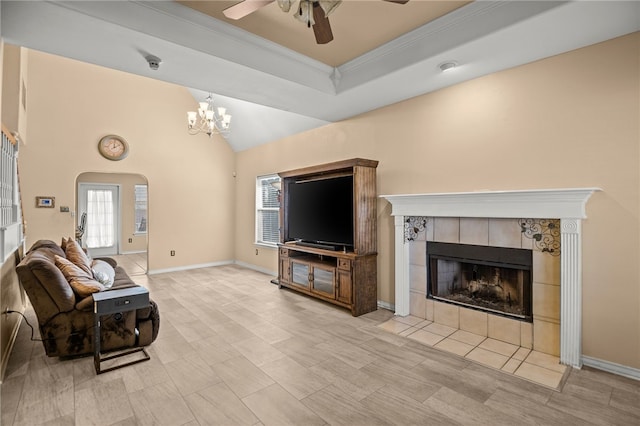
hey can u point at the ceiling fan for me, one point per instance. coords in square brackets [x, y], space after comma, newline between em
[314, 13]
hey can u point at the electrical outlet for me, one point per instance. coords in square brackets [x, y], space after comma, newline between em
[173, 252]
[130, 240]
[256, 252]
[64, 209]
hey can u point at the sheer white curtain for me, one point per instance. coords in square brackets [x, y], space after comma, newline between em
[100, 210]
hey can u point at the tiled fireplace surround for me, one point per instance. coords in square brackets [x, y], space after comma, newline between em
[543, 335]
[493, 218]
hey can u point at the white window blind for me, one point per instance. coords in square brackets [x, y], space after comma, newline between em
[8, 182]
[10, 215]
[267, 210]
[141, 209]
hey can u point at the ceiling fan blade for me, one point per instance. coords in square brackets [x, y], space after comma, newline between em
[244, 8]
[398, 1]
[321, 28]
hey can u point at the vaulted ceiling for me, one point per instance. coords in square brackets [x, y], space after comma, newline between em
[275, 80]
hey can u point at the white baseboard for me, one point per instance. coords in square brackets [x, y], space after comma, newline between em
[133, 252]
[612, 367]
[9, 348]
[208, 265]
[386, 305]
[188, 267]
[256, 268]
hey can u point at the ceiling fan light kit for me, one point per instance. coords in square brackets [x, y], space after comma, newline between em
[314, 13]
[305, 13]
[285, 5]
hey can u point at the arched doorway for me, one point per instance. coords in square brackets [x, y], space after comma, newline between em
[116, 210]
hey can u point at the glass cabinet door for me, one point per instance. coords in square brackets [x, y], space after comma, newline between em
[324, 281]
[300, 274]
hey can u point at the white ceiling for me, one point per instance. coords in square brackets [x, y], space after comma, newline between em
[273, 91]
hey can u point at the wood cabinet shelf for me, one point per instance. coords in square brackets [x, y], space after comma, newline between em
[345, 278]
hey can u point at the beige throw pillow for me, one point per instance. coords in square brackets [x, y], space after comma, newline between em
[81, 281]
[76, 255]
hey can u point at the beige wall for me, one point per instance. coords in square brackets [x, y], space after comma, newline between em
[191, 185]
[15, 83]
[126, 183]
[568, 121]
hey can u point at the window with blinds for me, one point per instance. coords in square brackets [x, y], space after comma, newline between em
[140, 192]
[8, 181]
[268, 210]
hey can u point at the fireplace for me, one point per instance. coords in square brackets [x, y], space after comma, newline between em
[566, 204]
[491, 279]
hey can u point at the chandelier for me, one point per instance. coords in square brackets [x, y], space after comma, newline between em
[208, 120]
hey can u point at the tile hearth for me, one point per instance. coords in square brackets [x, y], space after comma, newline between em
[537, 367]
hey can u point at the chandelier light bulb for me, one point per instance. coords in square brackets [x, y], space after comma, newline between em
[191, 118]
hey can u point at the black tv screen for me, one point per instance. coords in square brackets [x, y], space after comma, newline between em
[321, 211]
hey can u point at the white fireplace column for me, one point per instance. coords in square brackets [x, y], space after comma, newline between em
[568, 205]
[571, 292]
[403, 285]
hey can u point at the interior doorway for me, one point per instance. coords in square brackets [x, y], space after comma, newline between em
[116, 214]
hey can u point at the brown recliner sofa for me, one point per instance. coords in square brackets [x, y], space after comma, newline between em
[65, 319]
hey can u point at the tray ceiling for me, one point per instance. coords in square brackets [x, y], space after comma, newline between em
[270, 66]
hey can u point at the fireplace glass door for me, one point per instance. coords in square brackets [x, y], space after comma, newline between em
[491, 279]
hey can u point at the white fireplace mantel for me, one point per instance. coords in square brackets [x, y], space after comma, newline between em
[567, 204]
[534, 204]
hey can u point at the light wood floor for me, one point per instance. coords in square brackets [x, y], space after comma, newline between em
[134, 264]
[234, 349]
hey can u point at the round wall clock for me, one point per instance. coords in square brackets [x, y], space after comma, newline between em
[113, 147]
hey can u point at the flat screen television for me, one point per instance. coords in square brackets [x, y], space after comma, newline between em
[320, 212]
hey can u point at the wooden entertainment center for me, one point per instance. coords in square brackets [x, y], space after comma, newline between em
[346, 277]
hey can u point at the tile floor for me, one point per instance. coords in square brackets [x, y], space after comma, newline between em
[534, 366]
[234, 349]
[134, 263]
